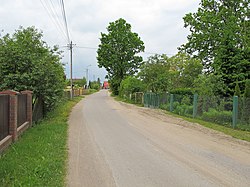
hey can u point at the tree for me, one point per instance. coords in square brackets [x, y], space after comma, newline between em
[220, 37]
[155, 73]
[131, 85]
[246, 103]
[28, 63]
[162, 74]
[117, 52]
[237, 90]
[185, 70]
[78, 82]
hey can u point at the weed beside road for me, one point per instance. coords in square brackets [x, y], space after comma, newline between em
[39, 157]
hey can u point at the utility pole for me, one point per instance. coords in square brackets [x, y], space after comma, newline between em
[71, 80]
[87, 76]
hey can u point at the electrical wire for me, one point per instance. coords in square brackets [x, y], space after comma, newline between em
[53, 20]
[65, 20]
[53, 10]
[149, 53]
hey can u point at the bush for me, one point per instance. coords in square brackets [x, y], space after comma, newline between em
[182, 91]
[165, 106]
[184, 110]
[131, 85]
[219, 117]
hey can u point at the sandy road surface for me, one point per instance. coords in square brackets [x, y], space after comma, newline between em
[116, 144]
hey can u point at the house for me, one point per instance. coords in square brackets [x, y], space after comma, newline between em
[105, 85]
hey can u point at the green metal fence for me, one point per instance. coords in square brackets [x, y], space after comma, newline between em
[232, 112]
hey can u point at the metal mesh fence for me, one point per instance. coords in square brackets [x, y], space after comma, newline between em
[219, 110]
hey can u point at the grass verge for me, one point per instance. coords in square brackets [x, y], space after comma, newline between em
[39, 157]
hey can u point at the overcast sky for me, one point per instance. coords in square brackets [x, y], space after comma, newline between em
[159, 23]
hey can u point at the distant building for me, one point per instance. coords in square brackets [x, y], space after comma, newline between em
[105, 85]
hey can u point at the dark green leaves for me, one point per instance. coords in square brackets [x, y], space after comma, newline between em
[26, 62]
[117, 52]
[220, 37]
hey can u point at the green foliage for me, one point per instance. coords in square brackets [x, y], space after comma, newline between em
[39, 157]
[155, 73]
[95, 85]
[131, 85]
[182, 91]
[162, 74]
[247, 89]
[184, 110]
[78, 82]
[117, 52]
[184, 70]
[237, 90]
[220, 37]
[28, 63]
[246, 104]
[219, 117]
[208, 85]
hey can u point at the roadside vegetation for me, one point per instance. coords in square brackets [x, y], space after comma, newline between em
[214, 65]
[39, 157]
[28, 63]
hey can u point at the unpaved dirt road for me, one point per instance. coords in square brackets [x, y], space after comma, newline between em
[116, 144]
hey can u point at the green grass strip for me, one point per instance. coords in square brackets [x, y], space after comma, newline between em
[39, 157]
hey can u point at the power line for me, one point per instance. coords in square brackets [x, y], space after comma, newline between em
[145, 52]
[65, 20]
[53, 9]
[87, 47]
[53, 20]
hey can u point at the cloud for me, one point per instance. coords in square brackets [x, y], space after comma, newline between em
[159, 23]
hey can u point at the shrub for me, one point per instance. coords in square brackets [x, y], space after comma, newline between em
[246, 103]
[182, 91]
[184, 110]
[131, 85]
[165, 106]
[219, 117]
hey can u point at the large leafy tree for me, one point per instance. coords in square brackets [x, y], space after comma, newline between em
[185, 70]
[117, 52]
[220, 37]
[28, 63]
[155, 73]
[162, 74]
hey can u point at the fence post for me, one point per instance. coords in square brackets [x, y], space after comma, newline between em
[235, 110]
[195, 105]
[171, 102]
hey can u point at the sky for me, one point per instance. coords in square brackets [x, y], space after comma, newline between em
[159, 23]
